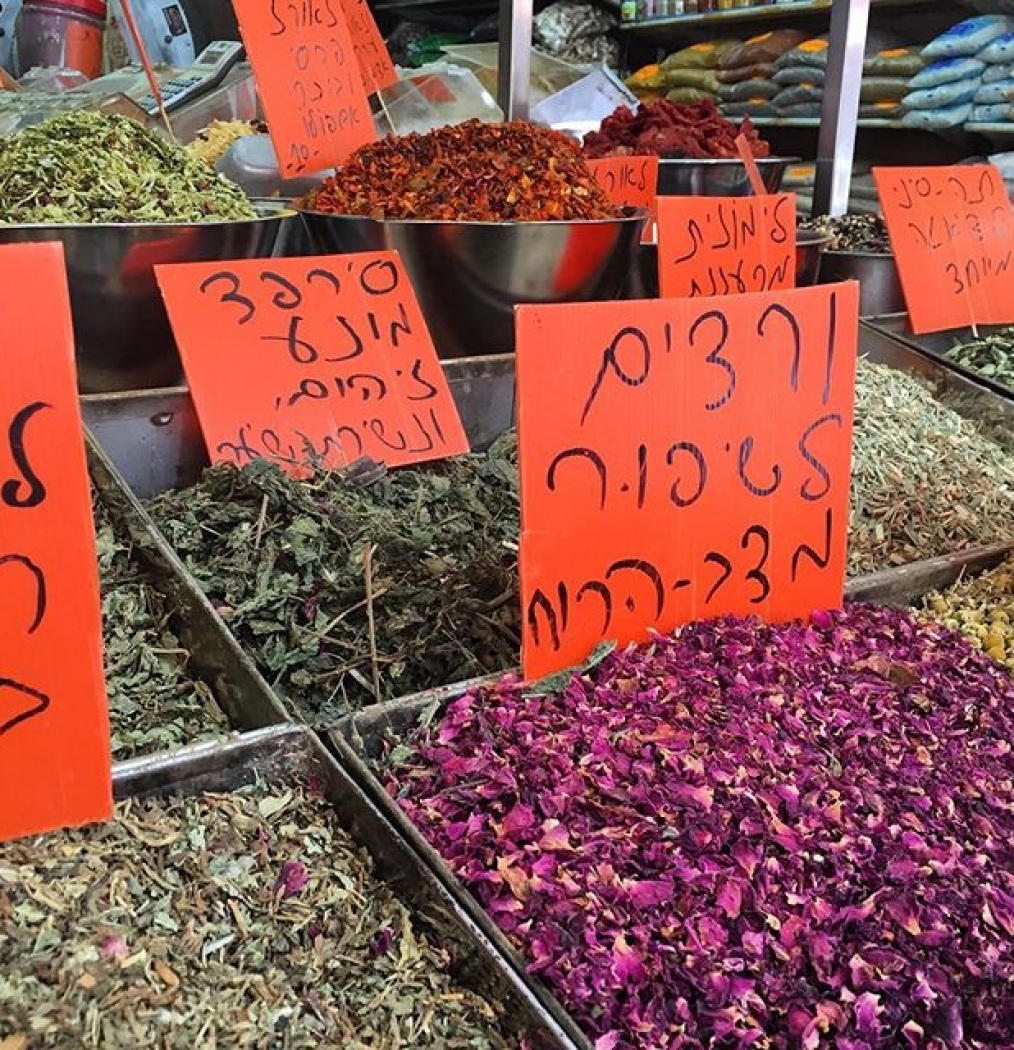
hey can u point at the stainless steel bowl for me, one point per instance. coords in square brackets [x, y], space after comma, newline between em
[717, 178]
[469, 276]
[643, 282]
[122, 333]
[879, 284]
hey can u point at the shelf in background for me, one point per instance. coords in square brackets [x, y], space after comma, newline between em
[751, 14]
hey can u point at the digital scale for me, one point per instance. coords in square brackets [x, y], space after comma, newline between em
[211, 67]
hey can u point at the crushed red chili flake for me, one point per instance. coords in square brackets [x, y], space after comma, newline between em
[476, 172]
[666, 129]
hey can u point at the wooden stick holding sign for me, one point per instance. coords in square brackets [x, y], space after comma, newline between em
[54, 727]
[333, 354]
[681, 460]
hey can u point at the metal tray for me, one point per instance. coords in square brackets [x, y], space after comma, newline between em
[154, 439]
[936, 344]
[284, 752]
[215, 655]
[967, 394]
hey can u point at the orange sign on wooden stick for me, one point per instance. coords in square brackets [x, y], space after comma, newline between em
[630, 181]
[711, 246]
[681, 459]
[54, 725]
[315, 360]
[374, 59]
[952, 232]
[309, 81]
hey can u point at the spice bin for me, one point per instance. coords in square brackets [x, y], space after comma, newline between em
[996, 351]
[212, 656]
[469, 276]
[136, 441]
[278, 766]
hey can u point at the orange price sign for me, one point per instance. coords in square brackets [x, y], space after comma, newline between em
[681, 459]
[710, 246]
[630, 181]
[374, 59]
[309, 81]
[54, 724]
[952, 232]
[313, 360]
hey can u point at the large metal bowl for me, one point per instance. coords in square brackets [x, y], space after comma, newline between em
[717, 178]
[469, 276]
[122, 333]
[643, 282]
[879, 284]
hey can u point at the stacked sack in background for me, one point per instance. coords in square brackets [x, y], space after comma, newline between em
[888, 70]
[746, 73]
[968, 79]
[687, 76]
[800, 76]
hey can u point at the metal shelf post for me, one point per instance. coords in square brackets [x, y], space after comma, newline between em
[836, 142]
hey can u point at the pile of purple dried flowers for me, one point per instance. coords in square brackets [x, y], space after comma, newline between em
[747, 836]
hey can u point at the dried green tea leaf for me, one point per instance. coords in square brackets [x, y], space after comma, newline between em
[155, 703]
[283, 560]
[274, 932]
[90, 167]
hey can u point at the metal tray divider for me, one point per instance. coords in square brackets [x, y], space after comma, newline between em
[215, 654]
[277, 754]
[895, 326]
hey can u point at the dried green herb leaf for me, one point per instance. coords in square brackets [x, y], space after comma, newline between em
[244, 920]
[283, 561]
[89, 167]
[155, 704]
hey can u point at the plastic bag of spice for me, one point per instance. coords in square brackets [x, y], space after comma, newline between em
[706, 55]
[798, 95]
[799, 75]
[701, 79]
[948, 71]
[1001, 51]
[808, 53]
[994, 94]
[883, 89]
[768, 47]
[748, 91]
[761, 71]
[968, 37]
[894, 62]
[956, 94]
[994, 73]
[689, 95]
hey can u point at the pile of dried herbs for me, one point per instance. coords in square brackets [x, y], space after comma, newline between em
[154, 704]
[852, 233]
[89, 167]
[925, 480]
[744, 835]
[992, 356]
[244, 920]
[346, 595]
[981, 608]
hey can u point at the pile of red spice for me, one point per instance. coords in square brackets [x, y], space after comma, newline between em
[665, 129]
[477, 172]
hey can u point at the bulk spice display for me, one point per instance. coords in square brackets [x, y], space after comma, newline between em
[981, 608]
[669, 129]
[242, 920]
[86, 167]
[154, 703]
[746, 835]
[925, 480]
[436, 599]
[470, 172]
[345, 595]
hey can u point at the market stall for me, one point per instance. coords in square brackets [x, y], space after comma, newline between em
[476, 583]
